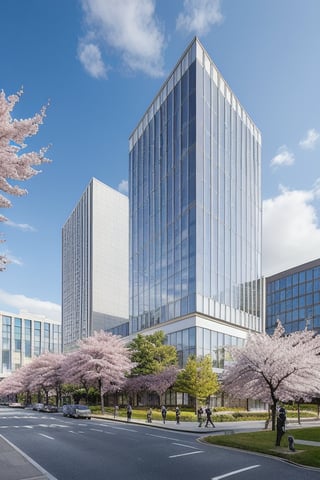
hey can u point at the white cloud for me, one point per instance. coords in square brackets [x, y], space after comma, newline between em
[199, 16]
[34, 306]
[90, 57]
[310, 140]
[123, 187]
[283, 157]
[131, 28]
[291, 233]
[21, 226]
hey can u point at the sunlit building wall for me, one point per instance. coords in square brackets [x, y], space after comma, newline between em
[195, 213]
[95, 267]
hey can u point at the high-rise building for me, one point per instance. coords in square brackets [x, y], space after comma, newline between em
[95, 265]
[293, 297]
[195, 213]
[25, 336]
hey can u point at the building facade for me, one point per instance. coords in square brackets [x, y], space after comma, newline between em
[293, 297]
[25, 336]
[195, 213]
[95, 262]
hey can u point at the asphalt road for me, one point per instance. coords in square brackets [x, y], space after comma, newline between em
[72, 449]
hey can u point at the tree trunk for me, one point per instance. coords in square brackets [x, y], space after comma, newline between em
[101, 397]
[273, 416]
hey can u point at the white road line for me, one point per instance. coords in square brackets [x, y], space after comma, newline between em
[187, 446]
[46, 436]
[235, 472]
[127, 429]
[95, 430]
[27, 426]
[161, 436]
[184, 454]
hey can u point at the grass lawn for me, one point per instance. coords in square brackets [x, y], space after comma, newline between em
[264, 442]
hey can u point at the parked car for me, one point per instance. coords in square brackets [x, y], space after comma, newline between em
[76, 411]
[66, 410]
[49, 409]
[37, 406]
[16, 405]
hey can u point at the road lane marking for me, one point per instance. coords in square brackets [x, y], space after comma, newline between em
[184, 454]
[46, 436]
[95, 430]
[187, 446]
[161, 436]
[235, 472]
[127, 429]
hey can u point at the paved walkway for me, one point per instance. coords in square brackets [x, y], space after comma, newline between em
[15, 465]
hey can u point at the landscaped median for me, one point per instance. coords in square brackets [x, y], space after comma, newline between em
[264, 442]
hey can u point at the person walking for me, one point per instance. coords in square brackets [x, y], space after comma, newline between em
[115, 411]
[129, 413]
[178, 415]
[209, 415]
[164, 413]
[200, 416]
[149, 415]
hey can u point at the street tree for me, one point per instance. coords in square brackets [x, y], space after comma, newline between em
[45, 373]
[151, 354]
[157, 383]
[197, 379]
[107, 362]
[275, 368]
[15, 163]
[75, 371]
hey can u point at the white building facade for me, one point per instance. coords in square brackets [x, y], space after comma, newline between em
[95, 265]
[25, 336]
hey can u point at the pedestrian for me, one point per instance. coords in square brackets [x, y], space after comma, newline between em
[115, 411]
[129, 413]
[200, 416]
[177, 415]
[164, 413]
[209, 415]
[149, 415]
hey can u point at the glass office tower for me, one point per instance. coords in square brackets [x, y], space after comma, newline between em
[195, 213]
[293, 297]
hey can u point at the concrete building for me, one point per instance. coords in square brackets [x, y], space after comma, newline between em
[195, 213]
[95, 267]
[293, 297]
[24, 336]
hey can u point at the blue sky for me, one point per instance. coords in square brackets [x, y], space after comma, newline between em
[101, 62]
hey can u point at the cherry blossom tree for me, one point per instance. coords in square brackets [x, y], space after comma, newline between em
[75, 370]
[162, 381]
[275, 368]
[45, 373]
[15, 163]
[154, 382]
[107, 361]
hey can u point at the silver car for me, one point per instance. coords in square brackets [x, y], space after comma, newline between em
[76, 411]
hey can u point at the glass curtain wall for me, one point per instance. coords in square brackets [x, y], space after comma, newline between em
[195, 206]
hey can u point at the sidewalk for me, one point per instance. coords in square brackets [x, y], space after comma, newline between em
[15, 465]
